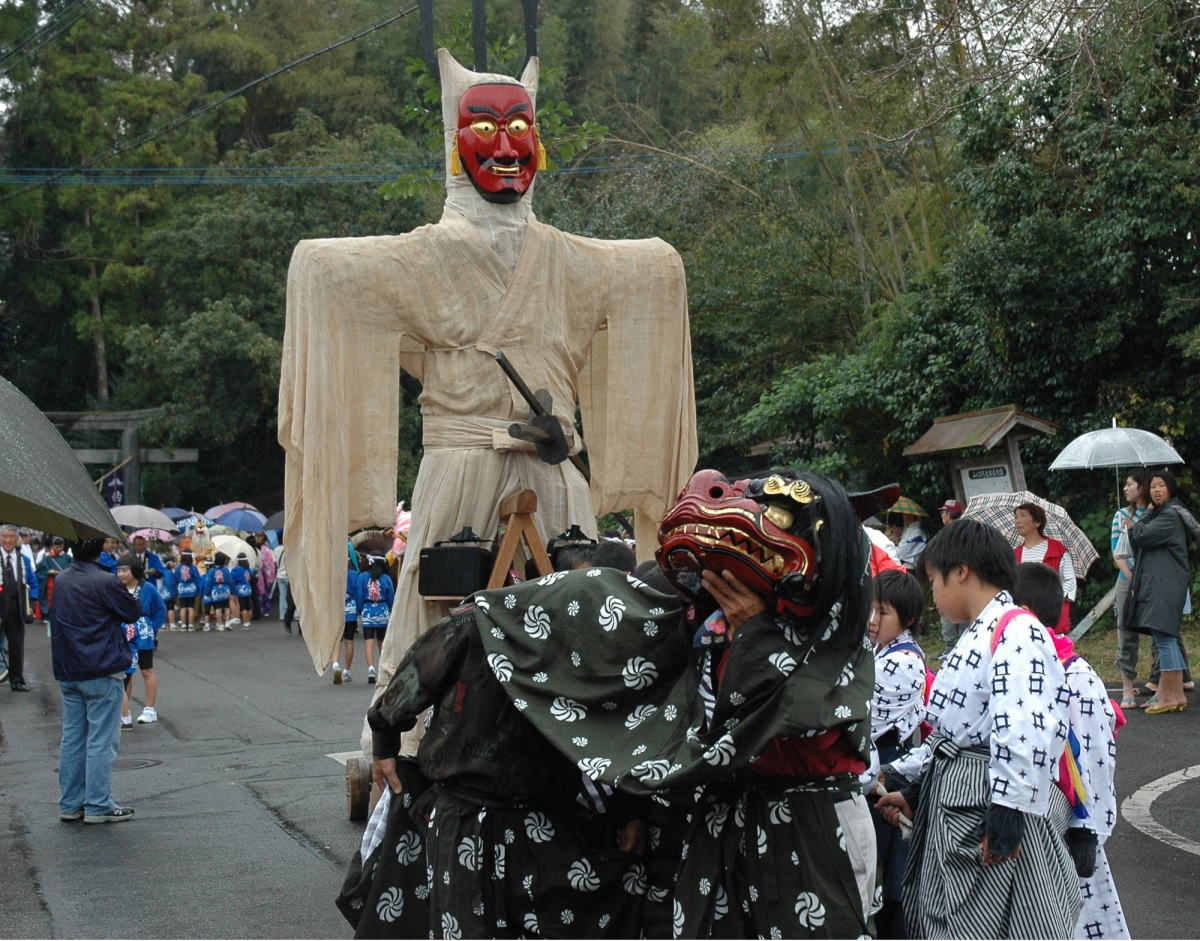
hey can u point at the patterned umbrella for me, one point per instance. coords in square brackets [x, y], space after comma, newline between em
[996, 509]
[156, 535]
[191, 522]
[907, 505]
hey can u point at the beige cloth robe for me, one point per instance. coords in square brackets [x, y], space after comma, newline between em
[601, 322]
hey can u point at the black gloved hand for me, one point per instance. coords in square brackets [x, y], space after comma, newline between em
[1082, 845]
[1004, 828]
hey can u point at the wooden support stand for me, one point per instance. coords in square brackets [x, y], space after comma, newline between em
[516, 510]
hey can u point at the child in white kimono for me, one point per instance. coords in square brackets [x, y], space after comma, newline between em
[897, 710]
[1094, 721]
[987, 856]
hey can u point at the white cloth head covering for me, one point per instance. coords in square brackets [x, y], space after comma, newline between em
[502, 224]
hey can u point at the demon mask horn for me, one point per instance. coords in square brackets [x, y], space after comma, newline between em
[491, 140]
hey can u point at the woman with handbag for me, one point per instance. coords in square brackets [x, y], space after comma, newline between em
[1160, 585]
[1137, 496]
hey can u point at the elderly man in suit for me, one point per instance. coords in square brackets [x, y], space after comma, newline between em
[19, 586]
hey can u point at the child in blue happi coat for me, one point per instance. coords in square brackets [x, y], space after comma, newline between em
[169, 593]
[342, 674]
[187, 588]
[132, 574]
[217, 591]
[242, 579]
[375, 596]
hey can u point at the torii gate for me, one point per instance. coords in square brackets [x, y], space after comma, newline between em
[130, 455]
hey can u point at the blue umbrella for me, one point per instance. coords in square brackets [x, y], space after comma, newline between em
[244, 521]
[177, 513]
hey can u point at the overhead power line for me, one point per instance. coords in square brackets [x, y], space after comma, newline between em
[375, 173]
[27, 45]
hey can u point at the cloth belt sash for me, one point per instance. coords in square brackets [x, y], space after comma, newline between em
[474, 431]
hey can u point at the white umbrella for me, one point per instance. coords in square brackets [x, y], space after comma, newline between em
[1116, 447]
[136, 516]
[232, 545]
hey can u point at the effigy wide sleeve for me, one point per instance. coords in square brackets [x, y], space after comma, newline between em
[635, 390]
[339, 404]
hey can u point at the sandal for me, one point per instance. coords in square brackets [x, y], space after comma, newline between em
[1152, 701]
[1158, 708]
[1149, 689]
[1129, 702]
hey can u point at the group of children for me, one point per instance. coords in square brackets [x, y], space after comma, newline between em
[1001, 767]
[225, 592]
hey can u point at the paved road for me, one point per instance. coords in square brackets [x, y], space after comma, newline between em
[241, 828]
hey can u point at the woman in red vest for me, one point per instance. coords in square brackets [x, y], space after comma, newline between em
[1031, 526]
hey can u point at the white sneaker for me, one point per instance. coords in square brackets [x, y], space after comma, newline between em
[233, 621]
[371, 675]
[337, 673]
[126, 723]
[149, 714]
[219, 628]
[346, 676]
[206, 627]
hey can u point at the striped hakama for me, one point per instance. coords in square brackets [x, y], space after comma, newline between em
[949, 893]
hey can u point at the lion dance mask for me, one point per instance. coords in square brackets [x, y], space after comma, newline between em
[770, 533]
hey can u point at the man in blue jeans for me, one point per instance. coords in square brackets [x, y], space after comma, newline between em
[91, 623]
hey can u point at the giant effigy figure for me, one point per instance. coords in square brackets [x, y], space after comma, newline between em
[601, 324]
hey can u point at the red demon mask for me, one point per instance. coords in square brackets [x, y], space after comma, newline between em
[497, 141]
[762, 531]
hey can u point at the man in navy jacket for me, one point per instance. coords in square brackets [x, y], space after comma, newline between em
[91, 624]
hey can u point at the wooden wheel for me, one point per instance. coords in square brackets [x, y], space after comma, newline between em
[358, 789]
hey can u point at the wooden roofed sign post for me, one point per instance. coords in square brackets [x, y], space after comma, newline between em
[998, 472]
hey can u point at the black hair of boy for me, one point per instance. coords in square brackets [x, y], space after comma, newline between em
[87, 550]
[903, 593]
[976, 545]
[614, 555]
[1040, 590]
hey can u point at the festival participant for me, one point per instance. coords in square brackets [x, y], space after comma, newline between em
[341, 674]
[241, 577]
[53, 562]
[987, 857]
[151, 561]
[187, 588]
[1094, 724]
[217, 592]
[375, 595]
[507, 847]
[266, 573]
[108, 557]
[1036, 546]
[145, 639]
[897, 710]
[169, 592]
[600, 664]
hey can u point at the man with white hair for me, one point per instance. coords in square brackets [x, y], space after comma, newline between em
[18, 588]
